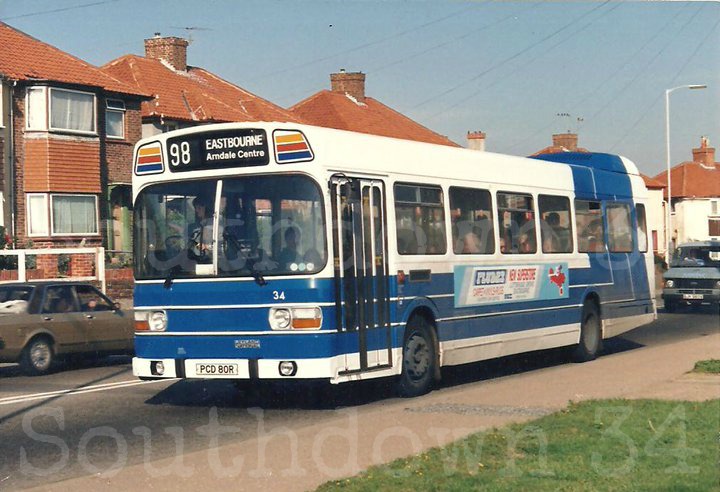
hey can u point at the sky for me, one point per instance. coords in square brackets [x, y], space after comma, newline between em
[518, 71]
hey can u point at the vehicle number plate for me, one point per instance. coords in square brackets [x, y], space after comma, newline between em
[210, 369]
[692, 297]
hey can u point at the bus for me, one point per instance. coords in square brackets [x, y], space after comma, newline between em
[281, 251]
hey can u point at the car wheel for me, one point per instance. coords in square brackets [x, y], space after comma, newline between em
[669, 306]
[38, 357]
[418, 359]
[590, 343]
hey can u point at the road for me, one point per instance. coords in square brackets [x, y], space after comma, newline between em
[91, 419]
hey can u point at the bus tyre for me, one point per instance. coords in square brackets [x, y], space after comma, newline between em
[590, 334]
[419, 358]
[37, 357]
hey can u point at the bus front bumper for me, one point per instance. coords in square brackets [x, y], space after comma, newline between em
[324, 368]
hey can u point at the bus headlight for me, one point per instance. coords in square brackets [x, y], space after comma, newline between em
[717, 284]
[670, 284]
[157, 321]
[279, 318]
[295, 318]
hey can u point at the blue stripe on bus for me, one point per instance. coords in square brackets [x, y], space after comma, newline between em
[287, 156]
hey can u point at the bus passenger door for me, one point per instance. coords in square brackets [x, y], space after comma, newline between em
[361, 271]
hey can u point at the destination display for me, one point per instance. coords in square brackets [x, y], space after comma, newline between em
[477, 286]
[232, 148]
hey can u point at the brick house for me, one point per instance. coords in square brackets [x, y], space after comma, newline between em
[346, 107]
[67, 132]
[185, 95]
[695, 196]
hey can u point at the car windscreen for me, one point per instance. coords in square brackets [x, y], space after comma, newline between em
[697, 256]
[239, 226]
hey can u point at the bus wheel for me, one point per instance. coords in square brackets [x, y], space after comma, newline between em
[418, 359]
[590, 334]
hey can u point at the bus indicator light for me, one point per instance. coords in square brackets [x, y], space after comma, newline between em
[291, 146]
[149, 159]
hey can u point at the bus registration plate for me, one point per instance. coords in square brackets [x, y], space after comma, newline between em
[211, 369]
[693, 297]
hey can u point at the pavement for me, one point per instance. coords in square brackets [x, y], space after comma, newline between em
[303, 457]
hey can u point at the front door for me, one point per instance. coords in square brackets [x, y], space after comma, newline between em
[361, 271]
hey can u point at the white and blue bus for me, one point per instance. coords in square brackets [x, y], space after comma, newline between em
[286, 251]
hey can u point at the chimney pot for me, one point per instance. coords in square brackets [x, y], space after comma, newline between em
[171, 49]
[351, 83]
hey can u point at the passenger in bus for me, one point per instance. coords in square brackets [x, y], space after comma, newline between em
[594, 237]
[289, 253]
[200, 231]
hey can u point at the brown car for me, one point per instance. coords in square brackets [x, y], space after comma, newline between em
[40, 321]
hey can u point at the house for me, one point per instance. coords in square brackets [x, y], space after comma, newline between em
[562, 142]
[67, 132]
[346, 107]
[185, 95]
[655, 214]
[695, 202]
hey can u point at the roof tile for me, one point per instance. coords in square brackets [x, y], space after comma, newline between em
[343, 112]
[25, 58]
[195, 95]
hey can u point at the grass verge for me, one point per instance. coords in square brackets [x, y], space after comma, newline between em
[594, 445]
[711, 366]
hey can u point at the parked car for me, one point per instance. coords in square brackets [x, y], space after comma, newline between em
[694, 275]
[40, 321]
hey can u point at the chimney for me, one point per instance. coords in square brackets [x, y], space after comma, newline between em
[567, 140]
[352, 83]
[476, 141]
[705, 155]
[171, 49]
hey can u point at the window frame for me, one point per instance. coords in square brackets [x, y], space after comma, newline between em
[121, 110]
[611, 230]
[441, 205]
[603, 224]
[491, 211]
[643, 229]
[51, 215]
[570, 229]
[70, 130]
[43, 112]
[534, 211]
[29, 212]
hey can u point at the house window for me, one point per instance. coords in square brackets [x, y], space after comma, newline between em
[714, 207]
[714, 227]
[36, 111]
[37, 214]
[2, 113]
[115, 118]
[72, 110]
[74, 214]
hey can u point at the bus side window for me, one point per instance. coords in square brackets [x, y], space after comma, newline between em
[555, 224]
[471, 216]
[620, 238]
[641, 228]
[589, 226]
[516, 216]
[420, 219]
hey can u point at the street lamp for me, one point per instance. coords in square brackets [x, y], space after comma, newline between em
[668, 222]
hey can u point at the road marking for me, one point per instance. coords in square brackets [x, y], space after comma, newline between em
[77, 391]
